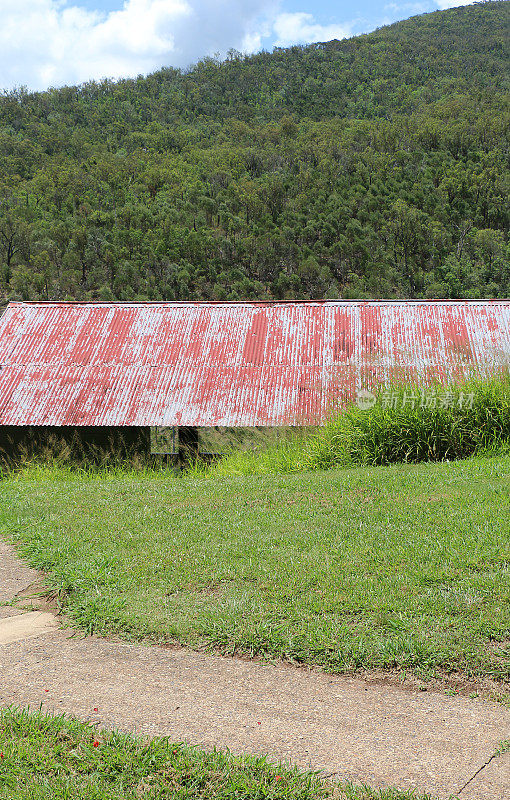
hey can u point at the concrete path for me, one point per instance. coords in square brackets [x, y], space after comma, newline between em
[379, 735]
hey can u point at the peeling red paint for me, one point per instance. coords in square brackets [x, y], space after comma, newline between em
[233, 364]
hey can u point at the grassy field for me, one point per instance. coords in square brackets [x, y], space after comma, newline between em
[406, 566]
[56, 758]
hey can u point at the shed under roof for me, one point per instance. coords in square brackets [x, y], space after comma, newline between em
[232, 364]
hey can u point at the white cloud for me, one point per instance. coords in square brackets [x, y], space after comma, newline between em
[301, 28]
[51, 42]
[442, 4]
[55, 42]
[408, 8]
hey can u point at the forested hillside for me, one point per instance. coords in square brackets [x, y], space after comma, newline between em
[372, 167]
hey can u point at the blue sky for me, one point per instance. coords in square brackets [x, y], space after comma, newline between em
[56, 42]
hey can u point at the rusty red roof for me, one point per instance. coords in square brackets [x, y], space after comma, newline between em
[232, 364]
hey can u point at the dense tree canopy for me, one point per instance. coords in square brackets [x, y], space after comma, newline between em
[375, 166]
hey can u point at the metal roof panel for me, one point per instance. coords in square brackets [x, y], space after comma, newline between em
[232, 364]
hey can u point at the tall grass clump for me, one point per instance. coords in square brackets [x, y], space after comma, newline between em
[412, 424]
[407, 423]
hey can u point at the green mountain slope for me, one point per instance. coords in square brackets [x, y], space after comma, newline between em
[375, 166]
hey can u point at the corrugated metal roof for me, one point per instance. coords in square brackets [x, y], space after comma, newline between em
[232, 364]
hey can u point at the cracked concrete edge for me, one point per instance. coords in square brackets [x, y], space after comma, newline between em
[497, 770]
[498, 753]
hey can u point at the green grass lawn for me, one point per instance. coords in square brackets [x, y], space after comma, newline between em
[56, 758]
[404, 567]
